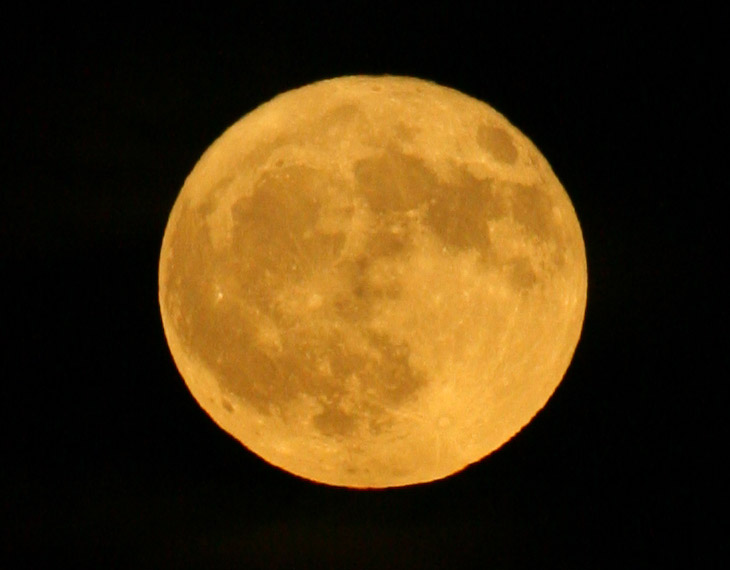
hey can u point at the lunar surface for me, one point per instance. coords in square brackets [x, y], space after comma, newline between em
[372, 281]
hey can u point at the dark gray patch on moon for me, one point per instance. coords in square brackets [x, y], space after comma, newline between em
[275, 242]
[335, 123]
[497, 142]
[226, 294]
[405, 133]
[270, 228]
[532, 208]
[521, 273]
[332, 421]
[460, 214]
[394, 181]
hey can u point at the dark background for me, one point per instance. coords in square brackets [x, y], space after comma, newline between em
[108, 462]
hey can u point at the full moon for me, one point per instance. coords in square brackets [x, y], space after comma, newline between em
[372, 281]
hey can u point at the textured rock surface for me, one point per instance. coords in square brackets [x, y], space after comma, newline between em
[372, 281]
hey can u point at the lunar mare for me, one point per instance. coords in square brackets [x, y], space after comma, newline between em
[372, 281]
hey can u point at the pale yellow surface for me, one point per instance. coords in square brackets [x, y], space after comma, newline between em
[372, 281]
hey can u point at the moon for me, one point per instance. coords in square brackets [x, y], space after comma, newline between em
[372, 281]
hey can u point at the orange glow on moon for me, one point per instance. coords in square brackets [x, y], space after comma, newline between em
[372, 281]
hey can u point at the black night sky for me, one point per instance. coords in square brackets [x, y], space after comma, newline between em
[108, 462]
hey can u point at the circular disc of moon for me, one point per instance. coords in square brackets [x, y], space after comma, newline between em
[372, 281]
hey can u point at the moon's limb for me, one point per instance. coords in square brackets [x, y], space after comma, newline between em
[372, 281]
